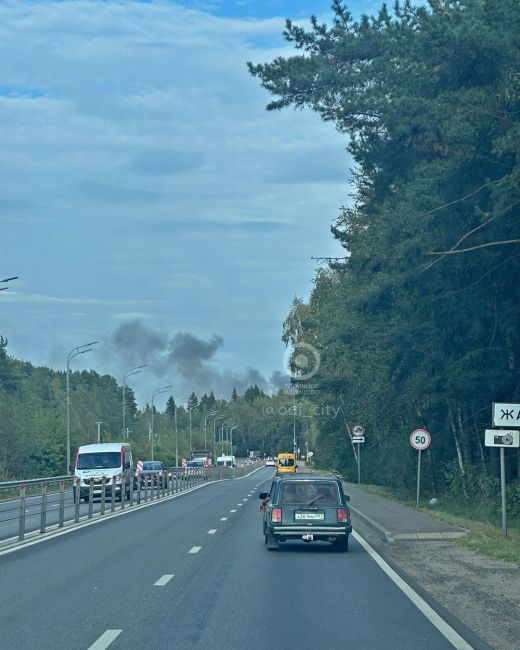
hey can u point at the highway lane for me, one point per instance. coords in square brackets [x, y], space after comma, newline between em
[227, 590]
[9, 509]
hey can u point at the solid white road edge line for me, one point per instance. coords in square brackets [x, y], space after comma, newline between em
[164, 580]
[105, 640]
[446, 630]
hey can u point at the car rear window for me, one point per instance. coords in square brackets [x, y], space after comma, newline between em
[152, 465]
[309, 493]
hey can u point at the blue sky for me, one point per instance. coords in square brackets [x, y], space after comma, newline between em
[147, 198]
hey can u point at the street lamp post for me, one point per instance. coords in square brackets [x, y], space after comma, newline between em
[191, 445]
[157, 391]
[215, 436]
[176, 439]
[99, 431]
[80, 349]
[221, 439]
[294, 422]
[225, 424]
[235, 426]
[205, 428]
[132, 371]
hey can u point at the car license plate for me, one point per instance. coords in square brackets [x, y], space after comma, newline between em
[309, 516]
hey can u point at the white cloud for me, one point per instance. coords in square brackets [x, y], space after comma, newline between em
[143, 176]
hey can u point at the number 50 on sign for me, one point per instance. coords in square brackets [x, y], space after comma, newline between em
[420, 439]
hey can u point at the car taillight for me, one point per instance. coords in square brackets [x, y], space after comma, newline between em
[276, 515]
[342, 515]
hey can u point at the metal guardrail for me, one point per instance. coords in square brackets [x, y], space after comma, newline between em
[57, 505]
[8, 485]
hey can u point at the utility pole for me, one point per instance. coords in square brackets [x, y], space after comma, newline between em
[294, 423]
[99, 431]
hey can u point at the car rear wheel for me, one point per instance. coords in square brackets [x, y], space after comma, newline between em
[341, 545]
[272, 542]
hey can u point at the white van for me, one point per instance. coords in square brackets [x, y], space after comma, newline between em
[109, 460]
[226, 461]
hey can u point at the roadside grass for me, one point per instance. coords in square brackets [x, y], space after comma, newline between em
[485, 535]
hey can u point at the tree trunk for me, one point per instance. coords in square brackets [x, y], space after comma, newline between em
[460, 459]
[480, 447]
[432, 468]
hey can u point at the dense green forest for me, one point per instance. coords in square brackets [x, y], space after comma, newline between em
[33, 420]
[418, 324]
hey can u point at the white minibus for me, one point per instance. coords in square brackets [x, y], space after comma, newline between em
[110, 460]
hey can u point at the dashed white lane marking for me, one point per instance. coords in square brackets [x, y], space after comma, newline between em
[239, 504]
[164, 580]
[195, 549]
[244, 499]
[232, 511]
[105, 640]
[212, 531]
[223, 519]
[444, 628]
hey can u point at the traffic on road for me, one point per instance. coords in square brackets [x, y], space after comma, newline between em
[191, 571]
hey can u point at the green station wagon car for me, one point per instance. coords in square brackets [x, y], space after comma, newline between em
[306, 507]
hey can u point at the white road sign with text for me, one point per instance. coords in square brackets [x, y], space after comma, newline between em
[506, 414]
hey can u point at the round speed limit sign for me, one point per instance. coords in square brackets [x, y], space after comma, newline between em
[420, 439]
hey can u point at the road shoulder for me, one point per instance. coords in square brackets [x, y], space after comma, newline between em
[484, 594]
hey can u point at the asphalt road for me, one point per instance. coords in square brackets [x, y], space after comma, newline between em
[9, 510]
[217, 585]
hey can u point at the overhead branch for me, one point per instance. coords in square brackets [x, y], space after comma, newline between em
[465, 236]
[504, 242]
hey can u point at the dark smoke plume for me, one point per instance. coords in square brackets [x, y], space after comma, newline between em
[181, 358]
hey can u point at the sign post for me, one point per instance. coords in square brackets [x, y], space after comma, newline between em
[420, 439]
[502, 438]
[358, 437]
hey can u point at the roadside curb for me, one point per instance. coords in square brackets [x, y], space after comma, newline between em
[387, 535]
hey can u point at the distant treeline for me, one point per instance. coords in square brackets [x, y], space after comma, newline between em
[33, 420]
